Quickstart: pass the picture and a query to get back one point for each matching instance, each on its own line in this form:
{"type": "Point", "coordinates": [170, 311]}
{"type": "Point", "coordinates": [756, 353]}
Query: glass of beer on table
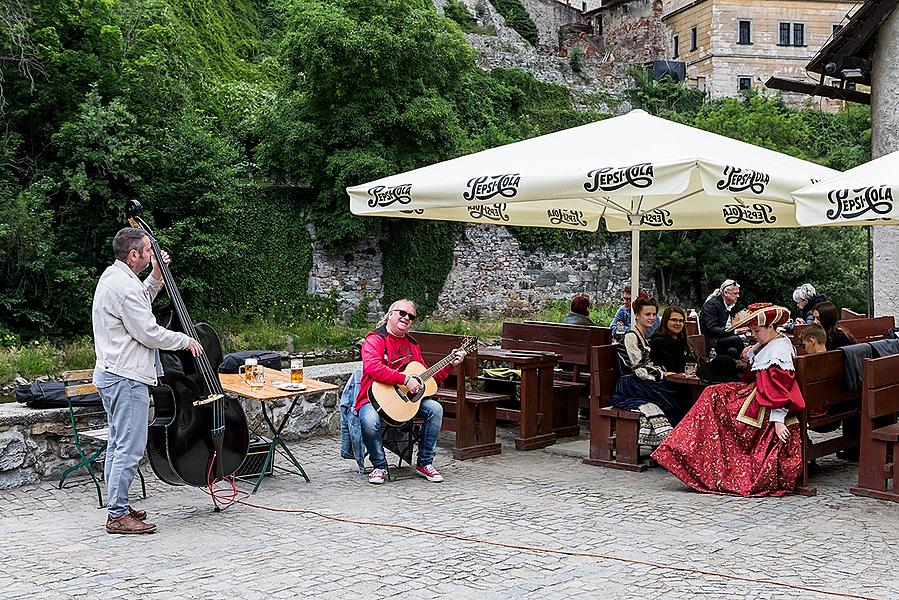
{"type": "Point", "coordinates": [296, 370]}
{"type": "Point", "coordinates": [253, 374]}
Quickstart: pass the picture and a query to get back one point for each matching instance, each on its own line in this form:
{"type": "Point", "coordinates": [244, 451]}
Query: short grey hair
{"type": "Point", "coordinates": [806, 291]}
{"type": "Point", "coordinates": [126, 240]}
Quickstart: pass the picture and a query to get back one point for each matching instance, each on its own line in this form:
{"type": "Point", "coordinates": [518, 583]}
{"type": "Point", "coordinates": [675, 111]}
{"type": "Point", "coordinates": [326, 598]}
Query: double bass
{"type": "Point", "coordinates": [198, 435]}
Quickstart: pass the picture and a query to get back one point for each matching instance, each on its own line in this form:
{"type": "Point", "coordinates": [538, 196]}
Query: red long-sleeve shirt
{"type": "Point", "coordinates": [384, 357]}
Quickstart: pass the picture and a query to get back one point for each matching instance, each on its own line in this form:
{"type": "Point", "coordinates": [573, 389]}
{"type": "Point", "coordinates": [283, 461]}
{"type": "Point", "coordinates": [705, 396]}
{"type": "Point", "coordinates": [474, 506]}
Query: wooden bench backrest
{"type": "Point", "coordinates": [434, 346]}
{"type": "Point", "coordinates": [846, 315]}
{"type": "Point", "coordinates": [821, 380]}
{"type": "Point", "coordinates": [881, 391]}
{"type": "Point", "coordinates": [698, 343]}
{"type": "Point", "coordinates": [868, 329]}
{"type": "Point", "coordinates": [78, 383]}
{"type": "Point", "coordinates": [863, 329]}
{"type": "Point", "coordinates": [572, 342]}
{"type": "Point", "coordinates": [604, 372]}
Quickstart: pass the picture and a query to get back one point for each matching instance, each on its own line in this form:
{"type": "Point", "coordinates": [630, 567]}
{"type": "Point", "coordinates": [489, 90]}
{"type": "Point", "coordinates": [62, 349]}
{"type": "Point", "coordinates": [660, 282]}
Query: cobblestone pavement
{"type": "Point", "coordinates": [54, 546]}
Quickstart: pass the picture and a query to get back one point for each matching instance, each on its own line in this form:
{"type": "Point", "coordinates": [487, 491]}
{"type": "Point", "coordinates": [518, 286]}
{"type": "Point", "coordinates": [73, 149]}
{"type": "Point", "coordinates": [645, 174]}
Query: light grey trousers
{"type": "Point", "coordinates": [127, 404]}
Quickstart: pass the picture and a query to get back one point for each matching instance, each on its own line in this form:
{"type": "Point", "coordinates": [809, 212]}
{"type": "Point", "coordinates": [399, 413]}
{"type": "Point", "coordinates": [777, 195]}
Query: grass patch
{"type": "Point", "coordinates": [46, 358]}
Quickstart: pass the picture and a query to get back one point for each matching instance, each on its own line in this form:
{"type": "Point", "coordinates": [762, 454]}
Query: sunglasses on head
{"type": "Point", "coordinates": [405, 314]}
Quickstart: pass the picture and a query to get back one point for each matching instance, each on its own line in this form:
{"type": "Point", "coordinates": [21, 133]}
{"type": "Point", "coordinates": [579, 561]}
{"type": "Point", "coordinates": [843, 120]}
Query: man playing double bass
{"type": "Point", "coordinates": [126, 338]}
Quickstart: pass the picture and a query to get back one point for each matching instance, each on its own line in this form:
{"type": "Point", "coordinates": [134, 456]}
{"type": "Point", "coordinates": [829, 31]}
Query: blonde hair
{"type": "Point", "coordinates": [392, 308]}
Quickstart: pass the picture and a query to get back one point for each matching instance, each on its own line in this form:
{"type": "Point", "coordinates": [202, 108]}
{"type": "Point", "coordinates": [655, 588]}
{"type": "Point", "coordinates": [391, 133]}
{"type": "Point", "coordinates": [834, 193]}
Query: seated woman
{"type": "Point", "coordinates": [669, 348]}
{"type": "Point", "coordinates": [580, 311]}
{"type": "Point", "coordinates": [825, 315]}
{"type": "Point", "coordinates": [642, 386]}
{"type": "Point", "coordinates": [739, 438]}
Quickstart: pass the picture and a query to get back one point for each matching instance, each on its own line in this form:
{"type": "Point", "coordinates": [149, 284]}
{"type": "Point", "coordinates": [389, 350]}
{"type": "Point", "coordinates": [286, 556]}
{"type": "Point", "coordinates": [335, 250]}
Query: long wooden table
{"type": "Point", "coordinates": [234, 383]}
{"type": "Point", "coordinates": [536, 395]}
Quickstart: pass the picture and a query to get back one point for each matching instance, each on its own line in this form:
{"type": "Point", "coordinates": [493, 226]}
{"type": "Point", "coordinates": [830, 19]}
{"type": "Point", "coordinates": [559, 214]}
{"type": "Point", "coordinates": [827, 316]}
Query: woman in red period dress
{"type": "Point", "coordinates": [743, 438]}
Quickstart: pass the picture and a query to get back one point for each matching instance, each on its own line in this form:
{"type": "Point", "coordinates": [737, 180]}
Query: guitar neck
{"type": "Point", "coordinates": [436, 367]}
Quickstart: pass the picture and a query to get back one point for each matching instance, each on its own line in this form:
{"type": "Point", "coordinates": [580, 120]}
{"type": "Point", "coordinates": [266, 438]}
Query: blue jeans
{"type": "Point", "coordinates": [430, 410]}
{"type": "Point", "coordinates": [127, 405]}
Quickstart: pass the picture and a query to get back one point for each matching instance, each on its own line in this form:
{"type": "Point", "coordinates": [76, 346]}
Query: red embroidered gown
{"type": "Point", "coordinates": [727, 443]}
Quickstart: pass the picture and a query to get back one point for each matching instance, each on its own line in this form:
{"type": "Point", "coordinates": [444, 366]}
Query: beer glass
{"type": "Point", "coordinates": [690, 369]}
{"type": "Point", "coordinates": [253, 374]}
{"type": "Point", "coordinates": [296, 370]}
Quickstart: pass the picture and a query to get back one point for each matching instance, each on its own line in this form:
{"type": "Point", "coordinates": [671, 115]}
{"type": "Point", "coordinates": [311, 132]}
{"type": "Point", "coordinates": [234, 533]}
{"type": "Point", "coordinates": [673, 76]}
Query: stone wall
{"type": "Point", "coordinates": [632, 32]}
{"type": "Point", "coordinates": [492, 275]}
{"type": "Point", "coordinates": [549, 15]}
{"type": "Point", "coordinates": [37, 444]}
{"type": "Point", "coordinates": [355, 276]}
{"type": "Point", "coordinates": [884, 139]}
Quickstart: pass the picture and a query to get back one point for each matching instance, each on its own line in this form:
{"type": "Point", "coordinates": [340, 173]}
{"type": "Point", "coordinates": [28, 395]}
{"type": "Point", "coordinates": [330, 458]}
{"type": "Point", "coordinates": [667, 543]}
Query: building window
{"type": "Point", "coordinates": [798, 34]}
{"type": "Point", "coordinates": [745, 32]}
{"type": "Point", "coordinates": [745, 83]}
{"type": "Point", "coordinates": [784, 38]}
{"type": "Point", "coordinates": [676, 46]}
{"type": "Point", "coordinates": [693, 40]}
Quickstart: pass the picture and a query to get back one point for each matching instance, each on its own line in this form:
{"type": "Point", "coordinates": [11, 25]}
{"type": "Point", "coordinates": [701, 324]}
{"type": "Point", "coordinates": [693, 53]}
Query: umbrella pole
{"type": "Point", "coordinates": [635, 270]}
{"type": "Point", "coordinates": [869, 265]}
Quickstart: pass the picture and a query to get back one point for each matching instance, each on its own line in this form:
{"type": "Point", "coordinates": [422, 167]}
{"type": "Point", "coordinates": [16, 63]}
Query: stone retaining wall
{"type": "Point", "coordinates": [36, 444]}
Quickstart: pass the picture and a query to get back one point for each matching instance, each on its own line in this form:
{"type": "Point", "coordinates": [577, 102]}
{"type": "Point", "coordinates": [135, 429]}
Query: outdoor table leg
{"type": "Point", "coordinates": [276, 441]}
{"type": "Point", "coordinates": [536, 428]}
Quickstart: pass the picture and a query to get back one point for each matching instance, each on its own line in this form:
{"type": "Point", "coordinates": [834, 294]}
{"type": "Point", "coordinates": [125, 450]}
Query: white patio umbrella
{"type": "Point", "coordinates": [860, 196]}
{"type": "Point", "coordinates": [637, 171]}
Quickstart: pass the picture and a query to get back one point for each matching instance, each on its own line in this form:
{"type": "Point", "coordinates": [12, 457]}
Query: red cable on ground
{"type": "Point", "coordinates": [541, 549]}
{"type": "Point", "coordinates": [220, 498]}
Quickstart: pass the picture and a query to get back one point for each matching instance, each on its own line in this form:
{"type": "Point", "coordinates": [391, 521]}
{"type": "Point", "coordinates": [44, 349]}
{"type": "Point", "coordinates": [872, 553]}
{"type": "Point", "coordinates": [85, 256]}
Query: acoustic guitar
{"type": "Point", "coordinates": [394, 403]}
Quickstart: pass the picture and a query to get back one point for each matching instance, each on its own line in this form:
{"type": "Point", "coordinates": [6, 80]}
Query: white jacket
{"type": "Point", "coordinates": [126, 334]}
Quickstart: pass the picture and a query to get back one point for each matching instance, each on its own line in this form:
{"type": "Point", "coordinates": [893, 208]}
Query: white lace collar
{"type": "Point", "coordinates": [778, 351]}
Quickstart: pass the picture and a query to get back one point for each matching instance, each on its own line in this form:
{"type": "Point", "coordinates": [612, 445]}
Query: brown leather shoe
{"type": "Point", "coordinates": [128, 525]}
{"type": "Point", "coordinates": [140, 515]}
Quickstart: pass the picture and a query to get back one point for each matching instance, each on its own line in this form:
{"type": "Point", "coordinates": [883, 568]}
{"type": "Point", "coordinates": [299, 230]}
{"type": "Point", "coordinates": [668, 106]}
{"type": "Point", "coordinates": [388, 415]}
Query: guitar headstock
{"type": "Point", "coordinates": [470, 343]}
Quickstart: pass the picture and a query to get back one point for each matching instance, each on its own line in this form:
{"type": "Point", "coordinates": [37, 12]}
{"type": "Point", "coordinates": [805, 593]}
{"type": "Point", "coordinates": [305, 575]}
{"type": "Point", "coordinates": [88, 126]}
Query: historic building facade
{"type": "Point", "coordinates": [730, 46]}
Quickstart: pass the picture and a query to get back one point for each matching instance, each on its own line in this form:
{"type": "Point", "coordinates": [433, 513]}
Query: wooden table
{"type": "Point", "coordinates": [536, 394]}
{"type": "Point", "coordinates": [696, 384]}
{"type": "Point", "coordinates": [233, 383]}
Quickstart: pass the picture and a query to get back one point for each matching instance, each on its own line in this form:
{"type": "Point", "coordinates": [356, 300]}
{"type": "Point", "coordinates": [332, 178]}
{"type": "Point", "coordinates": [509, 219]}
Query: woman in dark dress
{"type": "Point", "coordinates": [669, 347]}
{"type": "Point", "coordinates": [826, 316]}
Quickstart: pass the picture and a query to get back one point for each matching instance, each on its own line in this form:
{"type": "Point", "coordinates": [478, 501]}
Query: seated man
{"type": "Point", "coordinates": [385, 353]}
{"type": "Point", "coordinates": [813, 339]}
{"type": "Point", "coordinates": [716, 316]}
{"type": "Point", "coordinates": [621, 322]}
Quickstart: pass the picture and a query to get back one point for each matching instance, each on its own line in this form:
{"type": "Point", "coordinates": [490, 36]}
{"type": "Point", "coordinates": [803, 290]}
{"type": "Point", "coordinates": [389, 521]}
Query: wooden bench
{"type": "Point", "coordinates": [613, 431]}
{"type": "Point", "coordinates": [863, 329]}
{"type": "Point", "coordinates": [79, 384]}
{"type": "Point", "coordinates": [471, 414]}
{"type": "Point", "coordinates": [879, 443]}
{"type": "Point", "coordinates": [573, 343]}
{"type": "Point", "coordinates": [828, 401]}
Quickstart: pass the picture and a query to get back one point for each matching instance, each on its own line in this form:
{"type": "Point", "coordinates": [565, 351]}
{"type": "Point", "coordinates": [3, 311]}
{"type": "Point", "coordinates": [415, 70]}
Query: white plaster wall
{"type": "Point", "coordinates": [885, 139]}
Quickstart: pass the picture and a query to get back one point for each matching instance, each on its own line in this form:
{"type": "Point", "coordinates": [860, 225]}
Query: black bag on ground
{"type": "Point", "coordinates": [266, 358]}
{"type": "Point", "coordinates": [52, 394]}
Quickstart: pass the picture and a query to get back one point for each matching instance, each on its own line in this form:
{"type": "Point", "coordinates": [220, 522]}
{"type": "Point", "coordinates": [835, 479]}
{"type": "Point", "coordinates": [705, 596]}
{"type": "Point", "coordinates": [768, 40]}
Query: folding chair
{"type": "Point", "coordinates": [78, 388]}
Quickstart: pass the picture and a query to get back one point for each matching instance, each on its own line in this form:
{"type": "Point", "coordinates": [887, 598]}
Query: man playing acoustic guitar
{"type": "Point", "coordinates": [385, 353]}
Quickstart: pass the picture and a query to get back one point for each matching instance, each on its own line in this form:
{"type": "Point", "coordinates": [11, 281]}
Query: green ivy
{"type": "Point", "coordinates": [417, 257]}
{"type": "Point", "coordinates": [518, 19]}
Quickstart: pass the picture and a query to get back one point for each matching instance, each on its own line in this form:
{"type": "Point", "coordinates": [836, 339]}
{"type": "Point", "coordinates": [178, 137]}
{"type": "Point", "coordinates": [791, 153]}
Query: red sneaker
{"type": "Point", "coordinates": [429, 473]}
